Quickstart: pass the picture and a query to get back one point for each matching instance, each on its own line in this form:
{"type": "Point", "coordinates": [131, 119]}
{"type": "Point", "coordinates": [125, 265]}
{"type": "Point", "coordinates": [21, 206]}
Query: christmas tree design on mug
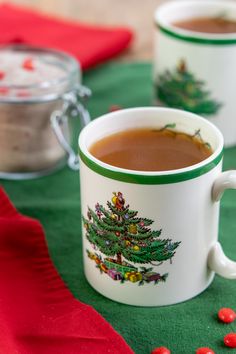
{"type": "Point", "coordinates": [118, 233]}
{"type": "Point", "coordinates": [181, 89]}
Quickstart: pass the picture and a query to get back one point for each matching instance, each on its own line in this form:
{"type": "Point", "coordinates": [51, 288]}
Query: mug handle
{"type": "Point", "coordinates": [72, 106]}
{"type": "Point", "coordinates": [217, 260]}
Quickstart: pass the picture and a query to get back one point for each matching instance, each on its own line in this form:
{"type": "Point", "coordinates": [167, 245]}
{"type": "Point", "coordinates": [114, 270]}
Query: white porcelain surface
{"type": "Point", "coordinates": [215, 64]}
{"type": "Point", "coordinates": [184, 210]}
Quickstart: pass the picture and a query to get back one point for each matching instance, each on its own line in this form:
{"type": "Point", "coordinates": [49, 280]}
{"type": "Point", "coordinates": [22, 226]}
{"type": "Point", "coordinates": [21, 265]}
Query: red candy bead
{"type": "Point", "coordinates": [2, 75]}
{"type": "Point", "coordinates": [23, 94]}
{"type": "Point", "coordinates": [226, 315]}
{"type": "Point", "coordinates": [28, 64]}
{"type": "Point", "coordinates": [230, 340]}
{"type": "Point", "coordinates": [204, 350]}
{"type": "Point", "coordinates": [161, 350]}
{"type": "Point", "coordinates": [114, 107]}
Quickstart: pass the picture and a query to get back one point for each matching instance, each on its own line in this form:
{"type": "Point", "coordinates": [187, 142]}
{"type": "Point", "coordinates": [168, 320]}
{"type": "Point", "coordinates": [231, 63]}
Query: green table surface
{"type": "Point", "coordinates": [55, 201]}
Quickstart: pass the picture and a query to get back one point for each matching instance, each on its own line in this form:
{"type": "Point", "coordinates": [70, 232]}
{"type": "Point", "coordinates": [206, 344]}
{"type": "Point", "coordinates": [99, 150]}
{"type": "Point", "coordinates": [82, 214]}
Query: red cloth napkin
{"type": "Point", "coordinates": [38, 314]}
{"type": "Point", "coordinates": [89, 44]}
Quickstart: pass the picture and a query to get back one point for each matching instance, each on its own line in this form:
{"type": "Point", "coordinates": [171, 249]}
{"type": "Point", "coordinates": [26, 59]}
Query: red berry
{"type": "Point", "coordinates": [230, 340]}
{"type": "Point", "coordinates": [114, 107]}
{"type": "Point", "coordinates": [28, 64]}
{"type": "Point", "coordinates": [2, 75]}
{"type": "Point", "coordinates": [226, 315]}
{"type": "Point", "coordinates": [204, 350]}
{"type": "Point", "coordinates": [161, 350]}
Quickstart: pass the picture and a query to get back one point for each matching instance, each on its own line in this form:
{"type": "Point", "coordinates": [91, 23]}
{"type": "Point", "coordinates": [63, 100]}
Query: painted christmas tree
{"type": "Point", "coordinates": [180, 89]}
{"type": "Point", "coordinates": [120, 234]}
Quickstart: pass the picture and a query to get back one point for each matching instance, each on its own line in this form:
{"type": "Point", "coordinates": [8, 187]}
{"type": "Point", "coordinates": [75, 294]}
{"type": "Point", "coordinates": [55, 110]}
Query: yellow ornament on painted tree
{"type": "Point", "coordinates": [132, 228]}
{"type": "Point", "coordinates": [136, 248]}
{"type": "Point", "coordinates": [114, 198]}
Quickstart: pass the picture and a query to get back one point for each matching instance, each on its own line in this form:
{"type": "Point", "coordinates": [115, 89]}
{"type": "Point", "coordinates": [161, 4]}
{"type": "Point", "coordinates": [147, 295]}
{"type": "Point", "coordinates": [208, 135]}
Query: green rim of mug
{"type": "Point", "coordinates": [150, 179]}
{"type": "Point", "coordinates": [193, 39]}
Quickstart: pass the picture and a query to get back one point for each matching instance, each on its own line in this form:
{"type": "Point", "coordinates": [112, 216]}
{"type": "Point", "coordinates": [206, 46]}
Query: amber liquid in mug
{"type": "Point", "coordinates": [150, 150]}
{"type": "Point", "coordinates": [208, 25]}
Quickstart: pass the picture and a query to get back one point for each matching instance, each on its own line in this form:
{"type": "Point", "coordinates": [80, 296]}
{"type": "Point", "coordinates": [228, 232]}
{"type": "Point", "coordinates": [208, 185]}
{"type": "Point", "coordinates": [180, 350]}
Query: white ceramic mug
{"type": "Point", "coordinates": [150, 238]}
{"type": "Point", "coordinates": [196, 71]}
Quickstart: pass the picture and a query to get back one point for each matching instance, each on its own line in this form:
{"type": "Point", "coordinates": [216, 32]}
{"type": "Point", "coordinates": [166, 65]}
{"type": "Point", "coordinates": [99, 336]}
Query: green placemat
{"type": "Point", "coordinates": [55, 201]}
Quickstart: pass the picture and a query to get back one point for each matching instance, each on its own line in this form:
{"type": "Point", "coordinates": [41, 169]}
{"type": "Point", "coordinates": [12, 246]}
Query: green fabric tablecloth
{"type": "Point", "coordinates": [55, 201]}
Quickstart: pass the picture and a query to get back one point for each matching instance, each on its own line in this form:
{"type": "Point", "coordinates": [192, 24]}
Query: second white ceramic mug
{"type": "Point", "coordinates": [196, 71]}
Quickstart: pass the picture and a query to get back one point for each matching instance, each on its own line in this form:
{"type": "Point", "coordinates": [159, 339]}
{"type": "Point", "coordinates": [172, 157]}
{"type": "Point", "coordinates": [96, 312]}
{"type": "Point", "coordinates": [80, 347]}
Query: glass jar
{"type": "Point", "coordinates": [38, 87]}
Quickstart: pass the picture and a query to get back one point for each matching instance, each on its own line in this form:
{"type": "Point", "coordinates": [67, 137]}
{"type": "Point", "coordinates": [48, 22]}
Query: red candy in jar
{"type": "Point", "coordinates": [2, 75]}
{"type": "Point", "coordinates": [161, 350]}
{"type": "Point", "coordinates": [226, 315]}
{"type": "Point", "coordinates": [4, 90]}
{"type": "Point", "coordinates": [28, 64]}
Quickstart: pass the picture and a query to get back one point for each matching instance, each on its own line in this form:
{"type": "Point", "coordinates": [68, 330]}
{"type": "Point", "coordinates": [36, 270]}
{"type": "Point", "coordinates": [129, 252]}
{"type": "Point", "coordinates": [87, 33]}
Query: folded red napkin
{"type": "Point", "coordinates": [38, 314]}
{"type": "Point", "coordinates": [89, 44]}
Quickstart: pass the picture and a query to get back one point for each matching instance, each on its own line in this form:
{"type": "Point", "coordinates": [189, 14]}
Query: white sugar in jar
{"type": "Point", "coordinates": [36, 83]}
